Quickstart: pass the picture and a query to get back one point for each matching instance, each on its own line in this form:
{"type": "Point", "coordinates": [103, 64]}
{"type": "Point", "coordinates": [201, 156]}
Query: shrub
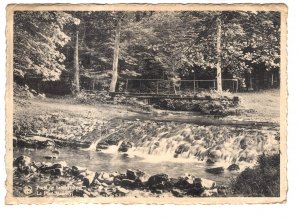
{"type": "Point", "coordinates": [216, 107]}
{"type": "Point", "coordinates": [262, 180]}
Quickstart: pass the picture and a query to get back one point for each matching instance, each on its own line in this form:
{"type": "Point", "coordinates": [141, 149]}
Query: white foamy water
{"type": "Point", "coordinates": [174, 149]}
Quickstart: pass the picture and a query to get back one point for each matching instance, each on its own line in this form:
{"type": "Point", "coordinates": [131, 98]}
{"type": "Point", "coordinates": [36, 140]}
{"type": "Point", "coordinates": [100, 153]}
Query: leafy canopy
{"type": "Point", "coordinates": [38, 38]}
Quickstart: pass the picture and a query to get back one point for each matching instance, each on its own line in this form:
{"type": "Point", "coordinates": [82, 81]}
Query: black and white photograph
{"type": "Point", "coordinates": [136, 103]}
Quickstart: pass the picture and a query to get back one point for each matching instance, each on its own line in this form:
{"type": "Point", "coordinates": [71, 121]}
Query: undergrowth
{"type": "Point", "coordinates": [261, 181]}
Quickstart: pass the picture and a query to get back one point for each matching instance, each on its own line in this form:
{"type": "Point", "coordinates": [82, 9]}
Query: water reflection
{"type": "Point", "coordinates": [110, 162]}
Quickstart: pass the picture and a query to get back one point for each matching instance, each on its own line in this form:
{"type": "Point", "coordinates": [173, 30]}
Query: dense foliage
{"type": "Point", "coordinates": [150, 45]}
{"type": "Point", "coordinates": [263, 180]}
{"type": "Point", "coordinates": [38, 38]}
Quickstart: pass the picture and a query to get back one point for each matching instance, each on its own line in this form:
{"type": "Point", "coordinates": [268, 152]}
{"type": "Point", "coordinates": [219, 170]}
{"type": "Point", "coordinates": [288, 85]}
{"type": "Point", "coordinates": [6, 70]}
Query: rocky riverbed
{"type": "Point", "coordinates": [57, 179]}
{"type": "Point", "coordinates": [103, 140]}
{"type": "Point", "coordinates": [215, 152]}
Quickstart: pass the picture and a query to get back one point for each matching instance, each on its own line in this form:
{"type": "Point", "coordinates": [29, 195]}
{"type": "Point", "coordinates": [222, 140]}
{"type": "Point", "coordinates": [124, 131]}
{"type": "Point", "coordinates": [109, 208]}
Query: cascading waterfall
{"type": "Point", "coordinates": [93, 146]}
{"type": "Point", "coordinates": [186, 142]}
{"type": "Point", "coordinates": [200, 143]}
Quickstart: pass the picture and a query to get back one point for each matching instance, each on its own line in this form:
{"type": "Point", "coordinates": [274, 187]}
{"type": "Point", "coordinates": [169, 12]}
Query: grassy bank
{"type": "Point", "coordinates": [261, 106]}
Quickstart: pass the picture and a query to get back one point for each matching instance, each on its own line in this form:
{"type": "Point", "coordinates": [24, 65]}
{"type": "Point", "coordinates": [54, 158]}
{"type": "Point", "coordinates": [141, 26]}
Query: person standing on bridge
{"type": "Point", "coordinates": [176, 82]}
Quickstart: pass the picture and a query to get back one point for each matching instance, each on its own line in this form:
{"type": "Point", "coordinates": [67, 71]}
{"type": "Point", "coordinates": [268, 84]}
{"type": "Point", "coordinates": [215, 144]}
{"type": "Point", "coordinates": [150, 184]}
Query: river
{"type": "Point", "coordinates": [109, 162]}
{"type": "Point", "coordinates": [167, 147]}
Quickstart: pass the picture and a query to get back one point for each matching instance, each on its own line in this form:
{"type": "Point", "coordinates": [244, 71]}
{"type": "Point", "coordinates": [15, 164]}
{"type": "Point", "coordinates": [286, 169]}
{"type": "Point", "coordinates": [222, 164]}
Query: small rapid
{"type": "Point", "coordinates": [157, 142]}
{"type": "Point", "coordinates": [168, 147]}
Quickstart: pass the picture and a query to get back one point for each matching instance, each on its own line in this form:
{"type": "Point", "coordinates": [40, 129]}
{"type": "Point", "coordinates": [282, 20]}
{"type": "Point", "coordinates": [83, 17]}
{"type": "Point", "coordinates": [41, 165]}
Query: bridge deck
{"type": "Point", "coordinates": [166, 96]}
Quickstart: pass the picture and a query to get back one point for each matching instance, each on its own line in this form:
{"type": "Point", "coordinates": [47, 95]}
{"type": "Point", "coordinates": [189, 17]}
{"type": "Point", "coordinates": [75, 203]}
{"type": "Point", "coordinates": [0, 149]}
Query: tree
{"type": "Point", "coordinates": [155, 44]}
{"type": "Point", "coordinates": [219, 39]}
{"type": "Point", "coordinates": [162, 40]}
{"type": "Point", "coordinates": [264, 47]}
{"type": "Point", "coordinates": [116, 57]}
{"type": "Point", "coordinates": [38, 38]}
{"type": "Point", "coordinates": [101, 43]}
{"type": "Point", "coordinates": [234, 41]}
{"type": "Point", "coordinates": [126, 22]}
{"type": "Point", "coordinates": [219, 70]}
{"type": "Point", "coordinates": [76, 82]}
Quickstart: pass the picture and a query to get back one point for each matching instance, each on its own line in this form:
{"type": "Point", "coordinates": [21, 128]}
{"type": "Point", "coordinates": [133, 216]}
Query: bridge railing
{"type": "Point", "coordinates": [159, 86]}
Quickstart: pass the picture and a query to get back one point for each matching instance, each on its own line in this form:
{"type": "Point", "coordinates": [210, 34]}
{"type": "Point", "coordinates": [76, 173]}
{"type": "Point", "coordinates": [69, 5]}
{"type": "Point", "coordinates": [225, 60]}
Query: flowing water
{"type": "Point", "coordinates": [111, 162]}
{"type": "Point", "coordinates": [174, 149]}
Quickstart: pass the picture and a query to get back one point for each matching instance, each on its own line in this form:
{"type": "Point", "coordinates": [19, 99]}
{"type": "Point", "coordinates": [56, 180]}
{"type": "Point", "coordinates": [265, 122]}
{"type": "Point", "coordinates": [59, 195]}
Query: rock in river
{"type": "Point", "coordinates": [177, 192]}
{"type": "Point", "coordinates": [89, 178]}
{"type": "Point", "coordinates": [105, 177]}
{"type": "Point", "coordinates": [157, 181]}
{"type": "Point", "coordinates": [77, 170]}
{"type": "Point", "coordinates": [137, 175]}
{"type": "Point", "coordinates": [143, 177]}
{"type": "Point", "coordinates": [208, 184]}
{"type": "Point", "coordinates": [22, 162]}
{"type": "Point", "coordinates": [36, 142]}
{"type": "Point", "coordinates": [131, 174]}
{"type": "Point", "coordinates": [185, 182]}
{"type": "Point", "coordinates": [210, 193]}
{"type": "Point", "coordinates": [210, 161]}
{"type": "Point", "coordinates": [56, 172]}
{"type": "Point", "coordinates": [123, 146]}
{"type": "Point", "coordinates": [55, 169]}
{"type": "Point", "coordinates": [121, 191]}
{"type": "Point", "coordinates": [233, 167]}
{"type": "Point", "coordinates": [215, 170]}
{"type": "Point", "coordinates": [128, 183]}
{"type": "Point", "coordinates": [50, 157]}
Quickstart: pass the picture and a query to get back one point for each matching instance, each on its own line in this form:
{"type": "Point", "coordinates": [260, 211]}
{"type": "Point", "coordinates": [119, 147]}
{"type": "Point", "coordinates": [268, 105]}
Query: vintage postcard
{"type": "Point", "coordinates": [146, 104]}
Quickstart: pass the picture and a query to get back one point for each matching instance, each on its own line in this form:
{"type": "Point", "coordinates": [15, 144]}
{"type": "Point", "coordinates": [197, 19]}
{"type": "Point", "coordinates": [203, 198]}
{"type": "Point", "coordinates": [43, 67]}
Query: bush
{"type": "Point", "coordinates": [262, 180]}
{"type": "Point", "coordinates": [207, 107]}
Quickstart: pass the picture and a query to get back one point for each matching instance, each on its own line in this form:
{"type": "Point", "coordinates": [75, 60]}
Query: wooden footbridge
{"type": "Point", "coordinates": [160, 89]}
{"type": "Point", "coordinates": [159, 86]}
{"type": "Point", "coordinates": [150, 96]}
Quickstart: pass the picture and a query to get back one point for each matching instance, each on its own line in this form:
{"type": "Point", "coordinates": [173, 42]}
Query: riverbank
{"type": "Point", "coordinates": [159, 138]}
{"type": "Point", "coordinates": [38, 179]}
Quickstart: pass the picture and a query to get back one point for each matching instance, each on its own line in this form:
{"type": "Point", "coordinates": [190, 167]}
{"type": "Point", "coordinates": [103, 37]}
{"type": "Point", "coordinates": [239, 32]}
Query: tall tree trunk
{"type": "Point", "coordinates": [272, 79]}
{"type": "Point", "coordinates": [116, 58]}
{"type": "Point", "coordinates": [76, 85]}
{"type": "Point", "coordinates": [219, 69]}
{"type": "Point", "coordinates": [250, 85]}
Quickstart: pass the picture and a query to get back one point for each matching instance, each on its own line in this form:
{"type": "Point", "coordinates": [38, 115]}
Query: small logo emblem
{"type": "Point", "coordinates": [27, 190]}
